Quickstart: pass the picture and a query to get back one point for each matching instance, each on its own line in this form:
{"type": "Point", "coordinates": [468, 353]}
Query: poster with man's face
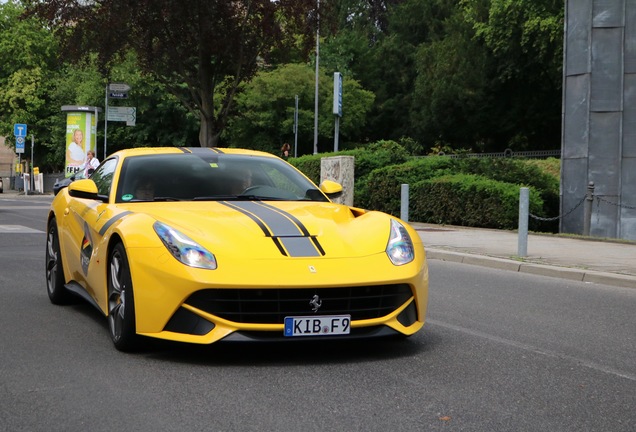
{"type": "Point", "coordinates": [80, 137]}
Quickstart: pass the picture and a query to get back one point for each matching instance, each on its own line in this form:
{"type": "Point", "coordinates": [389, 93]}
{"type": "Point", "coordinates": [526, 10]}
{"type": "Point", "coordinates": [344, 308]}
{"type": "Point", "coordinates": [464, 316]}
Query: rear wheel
{"type": "Point", "coordinates": [54, 270]}
{"type": "Point", "coordinates": [121, 305]}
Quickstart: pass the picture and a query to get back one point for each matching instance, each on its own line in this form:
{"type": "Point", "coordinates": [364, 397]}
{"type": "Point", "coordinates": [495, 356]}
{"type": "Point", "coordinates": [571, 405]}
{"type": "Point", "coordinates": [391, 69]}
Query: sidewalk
{"type": "Point", "coordinates": [581, 259]}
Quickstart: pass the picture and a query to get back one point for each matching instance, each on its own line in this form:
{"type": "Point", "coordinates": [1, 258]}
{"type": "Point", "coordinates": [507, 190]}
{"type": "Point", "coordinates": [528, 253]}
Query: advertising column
{"type": "Point", "coordinates": [81, 136]}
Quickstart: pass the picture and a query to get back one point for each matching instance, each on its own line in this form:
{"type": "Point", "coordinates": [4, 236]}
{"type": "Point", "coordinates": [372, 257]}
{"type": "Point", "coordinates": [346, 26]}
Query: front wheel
{"type": "Point", "coordinates": [54, 270]}
{"type": "Point", "coordinates": [121, 304]}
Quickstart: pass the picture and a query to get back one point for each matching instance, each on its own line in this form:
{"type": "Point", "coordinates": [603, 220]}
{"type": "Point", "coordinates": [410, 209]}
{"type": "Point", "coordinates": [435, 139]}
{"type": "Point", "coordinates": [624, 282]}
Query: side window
{"type": "Point", "coordinates": [103, 176]}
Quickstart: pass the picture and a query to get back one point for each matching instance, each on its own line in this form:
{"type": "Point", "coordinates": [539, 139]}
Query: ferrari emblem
{"type": "Point", "coordinates": [312, 269]}
{"type": "Point", "coordinates": [315, 303]}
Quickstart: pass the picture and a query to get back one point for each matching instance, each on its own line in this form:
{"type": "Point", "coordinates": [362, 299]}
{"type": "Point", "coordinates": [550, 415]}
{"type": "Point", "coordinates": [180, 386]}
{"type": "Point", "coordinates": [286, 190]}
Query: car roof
{"type": "Point", "coordinates": [138, 151]}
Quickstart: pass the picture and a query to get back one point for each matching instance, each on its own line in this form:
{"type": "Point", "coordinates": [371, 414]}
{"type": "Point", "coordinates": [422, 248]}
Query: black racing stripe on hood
{"type": "Point", "coordinates": [279, 246]}
{"type": "Point", "coordinates": [258, 222]}
{"type": "Point", "coordinates": [294, 219]}
{"type": "Point", "coordinates": [299, 246]}
{"type": "Point", "coordinates": [318, 246]}
{"type": "Point", "coordinates": [289, 234]}
{"type": "Point", "coordinates": [111, 221]}
{"type": "Point", "coordinates": [278, 222]}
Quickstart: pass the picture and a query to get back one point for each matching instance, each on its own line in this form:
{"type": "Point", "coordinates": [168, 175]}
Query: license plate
{"type": "Point", "coordinates": [326, 325]}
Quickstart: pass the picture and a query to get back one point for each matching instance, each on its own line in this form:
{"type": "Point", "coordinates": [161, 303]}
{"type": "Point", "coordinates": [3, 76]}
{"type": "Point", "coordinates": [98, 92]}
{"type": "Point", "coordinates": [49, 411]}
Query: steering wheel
{"type": "Point", "coordinates": [250, 189]}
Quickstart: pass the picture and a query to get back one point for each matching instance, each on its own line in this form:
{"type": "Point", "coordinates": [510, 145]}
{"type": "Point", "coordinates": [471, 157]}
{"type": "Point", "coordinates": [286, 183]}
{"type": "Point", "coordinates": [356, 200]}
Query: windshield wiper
{"type": "Point", "coordinates": [215, 198]}
{"type": "Point", "coordinates": [165, 198]}
{"type": "Point", "coordinates": [237, 198]}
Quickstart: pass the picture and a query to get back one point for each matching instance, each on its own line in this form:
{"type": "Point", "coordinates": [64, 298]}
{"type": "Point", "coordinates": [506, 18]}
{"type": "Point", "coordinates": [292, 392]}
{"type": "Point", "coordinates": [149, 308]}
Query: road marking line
{"type": "Point", "coordinates": [18, 229]}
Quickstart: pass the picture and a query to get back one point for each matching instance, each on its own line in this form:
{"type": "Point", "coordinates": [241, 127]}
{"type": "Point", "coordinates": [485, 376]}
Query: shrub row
{"type": "Point", "coordinates": [477, 192]}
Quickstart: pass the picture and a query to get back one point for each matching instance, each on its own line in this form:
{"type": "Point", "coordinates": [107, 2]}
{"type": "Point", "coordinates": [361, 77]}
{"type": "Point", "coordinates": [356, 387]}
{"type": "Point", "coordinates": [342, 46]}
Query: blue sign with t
{"type": "Point", "coordinates": [19, 130]}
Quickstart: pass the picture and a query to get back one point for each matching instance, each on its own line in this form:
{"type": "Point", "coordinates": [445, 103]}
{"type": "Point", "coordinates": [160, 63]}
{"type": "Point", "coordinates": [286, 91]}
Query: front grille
{"type": "Point", "coordinates": [271, 306]}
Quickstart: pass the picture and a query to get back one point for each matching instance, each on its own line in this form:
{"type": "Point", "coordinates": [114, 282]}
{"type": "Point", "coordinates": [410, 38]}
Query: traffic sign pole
{"type": "Point", "coordinates": [106, 123]}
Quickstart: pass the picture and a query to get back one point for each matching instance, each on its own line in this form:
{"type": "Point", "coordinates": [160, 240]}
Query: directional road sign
{"type": "Point", "coordinates": [118, 95]}
{"type": "Point", "coordinates": [20, 130]}
{"type": "Point", "coordinates": [127, 114]}
{"type": "Point", "coordinates": [118, 87]}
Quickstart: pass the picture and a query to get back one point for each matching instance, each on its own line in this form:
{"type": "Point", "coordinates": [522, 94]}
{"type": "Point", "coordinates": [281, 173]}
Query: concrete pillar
{"type": "Point", "coordinates": [341, 170]}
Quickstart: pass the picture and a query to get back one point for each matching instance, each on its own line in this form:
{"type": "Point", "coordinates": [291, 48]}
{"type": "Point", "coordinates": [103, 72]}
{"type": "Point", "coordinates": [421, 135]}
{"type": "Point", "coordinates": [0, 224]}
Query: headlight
{"type": "Point", "coordinates": [184, 248]}
{"type": "Point", "coordinates": [400, 248]}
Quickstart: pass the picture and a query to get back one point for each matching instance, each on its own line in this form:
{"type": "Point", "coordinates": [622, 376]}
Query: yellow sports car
{"type": "Point", "coordinates": [207, 244]}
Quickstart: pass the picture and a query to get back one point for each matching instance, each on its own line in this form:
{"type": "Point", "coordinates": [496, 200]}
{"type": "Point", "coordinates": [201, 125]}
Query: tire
{"type": "Point", "coordinates": [54, 269]}
{"type": "Point", "coordinates": [121, 303]}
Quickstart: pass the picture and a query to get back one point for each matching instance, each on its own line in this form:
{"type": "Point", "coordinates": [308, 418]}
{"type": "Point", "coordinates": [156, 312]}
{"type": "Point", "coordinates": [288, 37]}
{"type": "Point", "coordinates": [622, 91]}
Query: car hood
{"type": "Point", "coordinates": [264, 230]}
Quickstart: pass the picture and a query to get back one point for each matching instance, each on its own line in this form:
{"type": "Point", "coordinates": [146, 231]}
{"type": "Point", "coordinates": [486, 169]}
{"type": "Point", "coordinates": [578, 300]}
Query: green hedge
{"type": "Point", "coordinates": [469, 200]}
{"type": "Point", "coordinates": [376, 155]}
{"type": "Point", "coordinates": [480, 192]}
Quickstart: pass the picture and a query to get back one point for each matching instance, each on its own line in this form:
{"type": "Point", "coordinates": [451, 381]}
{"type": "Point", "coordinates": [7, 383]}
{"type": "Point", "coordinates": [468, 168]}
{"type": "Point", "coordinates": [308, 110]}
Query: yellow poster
{"type": "Point", "coordinates": [80, 137]}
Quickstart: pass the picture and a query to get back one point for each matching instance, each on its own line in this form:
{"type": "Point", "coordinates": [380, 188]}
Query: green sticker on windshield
{"type": "Point", "coordinates": [127, 197]}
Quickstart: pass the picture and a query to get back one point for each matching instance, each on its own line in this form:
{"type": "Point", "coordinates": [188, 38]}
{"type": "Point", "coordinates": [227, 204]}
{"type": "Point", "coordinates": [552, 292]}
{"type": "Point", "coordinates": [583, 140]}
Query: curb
{"type": "Point", "coordinates": [580, 275]}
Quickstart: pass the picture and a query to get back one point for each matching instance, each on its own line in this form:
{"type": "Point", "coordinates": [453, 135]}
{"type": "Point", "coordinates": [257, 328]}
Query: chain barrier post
{"type": "Point", "coordinates": [404, 202]}
{"type": "Point", "coordinates": [587, 218]}
{"type": "Point", "coordinates": [524, 211]}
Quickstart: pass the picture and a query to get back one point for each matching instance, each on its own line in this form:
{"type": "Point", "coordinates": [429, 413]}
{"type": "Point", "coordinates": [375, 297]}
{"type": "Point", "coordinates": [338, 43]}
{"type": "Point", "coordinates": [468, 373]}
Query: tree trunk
{"type": "Point", "coordinates": [208, 135]}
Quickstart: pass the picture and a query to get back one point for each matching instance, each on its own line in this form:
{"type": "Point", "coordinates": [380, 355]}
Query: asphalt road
{"type": "Point", "coordinates": [501, 351]}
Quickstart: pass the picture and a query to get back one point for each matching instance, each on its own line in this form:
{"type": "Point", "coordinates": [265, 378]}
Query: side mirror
{"type": "Point", "coordinates": [331, 188]}
{"type": "Point", "coordinates": [84, 188]}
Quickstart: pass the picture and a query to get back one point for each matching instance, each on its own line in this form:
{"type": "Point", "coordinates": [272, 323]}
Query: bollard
{"type": "Point", "coordinates": [587, 217]}
{"type": "Point", "coordinates": [524, 211]}
{"type": "Point", "coordinates": [404, 202]}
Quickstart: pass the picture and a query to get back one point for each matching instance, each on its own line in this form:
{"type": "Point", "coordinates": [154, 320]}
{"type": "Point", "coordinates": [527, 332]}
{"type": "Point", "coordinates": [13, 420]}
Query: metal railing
{"type": "Point", "coordinates": [588, 199]}
{"type": "Point", "coordinates": [535, 154]}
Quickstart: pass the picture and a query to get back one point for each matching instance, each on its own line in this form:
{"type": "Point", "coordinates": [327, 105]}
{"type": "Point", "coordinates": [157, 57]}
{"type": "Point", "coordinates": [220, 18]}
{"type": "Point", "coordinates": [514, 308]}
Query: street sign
{"type": "Point", "coordinates": [337, 94]}
{"type": "Point", "coordinates": [127, 114]}
{"type": "Point", "coordinates": [118, 87]}
{"type": "Point", "coordinates": [19, 130]}
{"type": "Point", "coordinates": [118, 95]}
{"type": "Point", "coordinates": [19, 144]}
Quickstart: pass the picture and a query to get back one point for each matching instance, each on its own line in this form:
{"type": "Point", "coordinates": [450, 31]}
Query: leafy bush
{"type": "Point", "coordinates": [478, 192]}
{"type": "Point", "coordinates": [469, 200]}
{"type": "Point", "coordinates": [309, 165]}
{"type": "Point", "coordinates": [376, 155]}
{"type": "Point", "coordinates": [381, 190]}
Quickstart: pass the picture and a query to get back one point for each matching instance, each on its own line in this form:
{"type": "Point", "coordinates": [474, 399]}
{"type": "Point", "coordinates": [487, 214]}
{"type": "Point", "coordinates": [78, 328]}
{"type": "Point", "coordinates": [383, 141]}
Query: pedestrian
{"type": "Point", "coordinates": [90, 164]}
{"type": "Point", "coordinates": [284, 151]}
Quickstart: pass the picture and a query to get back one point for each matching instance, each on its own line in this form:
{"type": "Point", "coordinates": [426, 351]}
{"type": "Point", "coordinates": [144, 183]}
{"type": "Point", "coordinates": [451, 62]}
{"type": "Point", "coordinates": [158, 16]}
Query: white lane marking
{"type": "Point", "coordinates": [18, 229]}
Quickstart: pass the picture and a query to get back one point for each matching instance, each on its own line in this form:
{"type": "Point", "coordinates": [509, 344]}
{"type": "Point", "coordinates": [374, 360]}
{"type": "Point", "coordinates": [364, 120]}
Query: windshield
{"type": "Point", "coordinates": [192, 177]}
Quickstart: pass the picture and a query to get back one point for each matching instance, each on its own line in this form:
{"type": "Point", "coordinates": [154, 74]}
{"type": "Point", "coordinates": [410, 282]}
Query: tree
{"type": "Point", "coordinates": [525, 49]}
{"type": "Point", "coordinates": [28, 54]}
{"type": "Point", "coordinates": [266, 110]}
{"type": "Point", "coordinates": [377, 42]}
{"type": "Point", "coordinates": [201, 51]}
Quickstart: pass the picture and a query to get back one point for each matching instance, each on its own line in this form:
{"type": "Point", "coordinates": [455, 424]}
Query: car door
{"type": "Point", "coordinates": [82, 220]}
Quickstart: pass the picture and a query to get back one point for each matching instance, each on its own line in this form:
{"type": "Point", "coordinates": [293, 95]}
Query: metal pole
{"type": "Point", "coordinates": [524, 206]}
{"type": "Point", "coordinates": [336, 134]}
{"type": "Point", "coordinates": [31, 179]}
{"type": "Point", "coordinates": [317, 69]}
{"type": "Point", "coordinates": [105, 120]}
{"type": "Point", "coordinates": [587, 217]}
{"type": "Point", "coordinates": [404, 202]}
{"type": "Point", "coordinates": [296, 128]}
